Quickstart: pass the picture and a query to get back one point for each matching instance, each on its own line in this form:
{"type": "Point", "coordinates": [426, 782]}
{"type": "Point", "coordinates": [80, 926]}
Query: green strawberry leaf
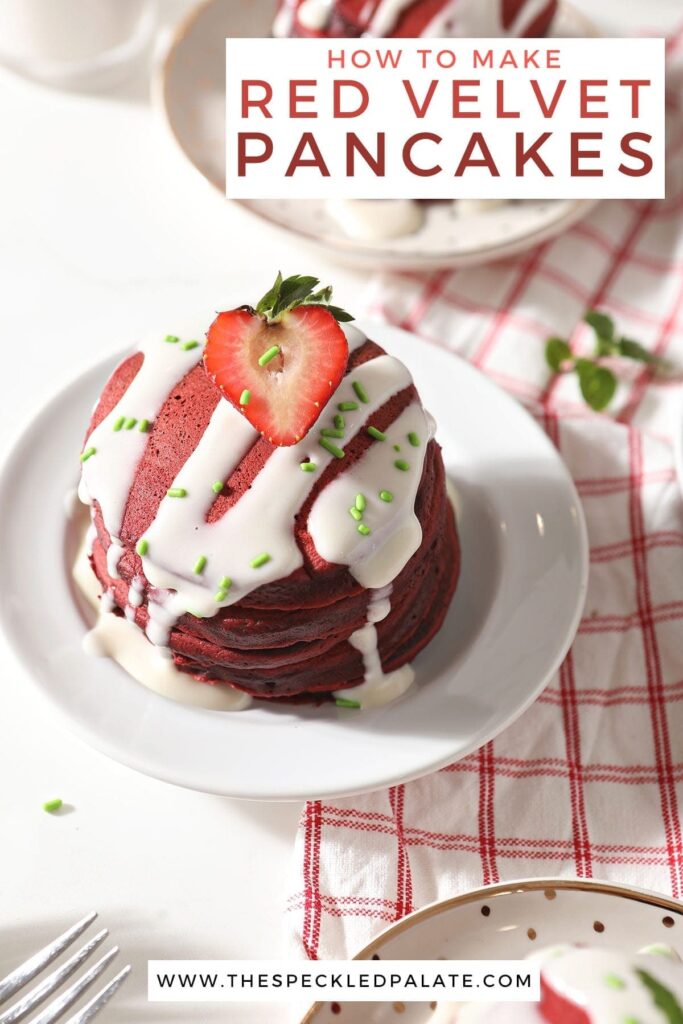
{"type": "Point", "coordinates": [271, 297]}
{"type": "Point", "coordinates": [597, 384]}
{"type": "Point", "coordinates": [298, 290]}
{"type": "Point", "coordinates": [557, 352]}
{"type": "Point", "coordinates": [340, 314]}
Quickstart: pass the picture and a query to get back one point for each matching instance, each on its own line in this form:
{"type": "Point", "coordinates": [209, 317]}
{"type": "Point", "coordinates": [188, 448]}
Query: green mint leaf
{"type": "Point", "coordinates": [597, 384]}
{"type": "Point", "coordinates": [602, 324]}
{"type": "Point", "coordinates": [271, 297]}
{"type": "Point", "coordinates": [634, 350]}
{"type": "Point", "coordinates": [605, 347]}
{"type": "Point", "coordinates": [557, 351]}
{"type": "Point", "coordinates": [664, 999]}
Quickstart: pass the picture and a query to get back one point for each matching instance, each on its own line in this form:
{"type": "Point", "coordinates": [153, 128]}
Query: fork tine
{"type": "Point", "coordinates": [92, 1008]}
{"type": "Point", "coordinates": [28, 970]}
{"type": "Point", "coordinates": [63, 1001]}
{"type": "Point", "coordinates": [52, 981]}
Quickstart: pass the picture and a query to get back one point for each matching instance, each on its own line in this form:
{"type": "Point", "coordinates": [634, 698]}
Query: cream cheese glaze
{"type": "Point", "coordinates": [261, 523]}
{"type": "Point", "coordinates": [119, 639]}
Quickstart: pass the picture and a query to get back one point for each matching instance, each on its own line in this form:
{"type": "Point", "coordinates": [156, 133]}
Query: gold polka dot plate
{"type": "Point", "coordinates": [510, 921]}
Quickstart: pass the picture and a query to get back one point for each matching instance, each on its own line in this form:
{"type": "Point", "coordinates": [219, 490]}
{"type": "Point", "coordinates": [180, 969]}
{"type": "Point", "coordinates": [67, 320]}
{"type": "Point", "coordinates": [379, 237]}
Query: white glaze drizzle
{"type": "Point", "coordinates": [315, 14]}
{"type": "Point", "coordinates": [377, 559]}
{"type": "Point", "coordinates": [124, 643]}
{"type": "Point", "coordinates": [378, 688]}
{"type": "Point", "coordinates": [114, 555]}
{"type": "Point", "coordinates": [284, 19]}
{"type": "Point", "coordinates": [262, 520]}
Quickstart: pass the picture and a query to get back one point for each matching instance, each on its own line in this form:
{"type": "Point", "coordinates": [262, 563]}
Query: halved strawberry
{"type": "Point", "coordinates": [280, 363]}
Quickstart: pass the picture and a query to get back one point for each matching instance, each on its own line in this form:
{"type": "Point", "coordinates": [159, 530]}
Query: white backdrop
{"type": "Point", "coordinates": [105, 231]}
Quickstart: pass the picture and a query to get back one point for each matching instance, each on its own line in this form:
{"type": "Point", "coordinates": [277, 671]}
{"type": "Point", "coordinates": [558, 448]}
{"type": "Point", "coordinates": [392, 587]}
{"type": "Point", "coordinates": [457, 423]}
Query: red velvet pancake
{"type": "Point", "coordinates": [289, 637]}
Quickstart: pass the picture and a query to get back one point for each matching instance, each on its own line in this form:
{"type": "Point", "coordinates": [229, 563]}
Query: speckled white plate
{"type": "Point", "coordinates": [514, 615]}
{"type": "Point", "coordinates": [189, 89]}
{"type": "Point", "coordinates": [508, 922]}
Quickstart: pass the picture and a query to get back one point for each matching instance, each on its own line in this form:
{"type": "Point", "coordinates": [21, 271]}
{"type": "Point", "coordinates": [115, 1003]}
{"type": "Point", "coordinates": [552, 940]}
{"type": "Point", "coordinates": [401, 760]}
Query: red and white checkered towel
{"type": "Point", "coordinates": [589, 781]}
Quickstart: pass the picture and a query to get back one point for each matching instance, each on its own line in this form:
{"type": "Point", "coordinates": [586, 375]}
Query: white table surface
{"type": "Point", "coordinates": [106, 231]}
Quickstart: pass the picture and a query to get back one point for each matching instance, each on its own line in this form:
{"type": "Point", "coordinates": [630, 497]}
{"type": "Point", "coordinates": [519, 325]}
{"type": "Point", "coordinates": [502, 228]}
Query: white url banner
{"type": "Point", "coordinates": [226, 981]}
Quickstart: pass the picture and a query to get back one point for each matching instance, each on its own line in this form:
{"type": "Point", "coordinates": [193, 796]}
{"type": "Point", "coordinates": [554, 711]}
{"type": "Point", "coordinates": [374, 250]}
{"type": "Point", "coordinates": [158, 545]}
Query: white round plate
{"type": "Point", "coordinates": [514, 615]}
{"type": "Point", "coordinates": [511, 921]}
{"type": "Point", "coordinates": [190, 91]}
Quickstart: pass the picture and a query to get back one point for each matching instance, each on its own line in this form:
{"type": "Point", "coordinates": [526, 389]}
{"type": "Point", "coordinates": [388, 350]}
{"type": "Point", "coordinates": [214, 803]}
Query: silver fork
{"type": "Point", "coordinates": [57, 1008]}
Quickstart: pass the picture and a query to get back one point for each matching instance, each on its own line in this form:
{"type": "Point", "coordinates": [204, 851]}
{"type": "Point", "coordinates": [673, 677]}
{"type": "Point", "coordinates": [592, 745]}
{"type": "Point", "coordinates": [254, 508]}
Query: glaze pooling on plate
{"type": "Point", "coordinates": [119, 639]}
{"type": "Point", "coordinates": [199, 566]}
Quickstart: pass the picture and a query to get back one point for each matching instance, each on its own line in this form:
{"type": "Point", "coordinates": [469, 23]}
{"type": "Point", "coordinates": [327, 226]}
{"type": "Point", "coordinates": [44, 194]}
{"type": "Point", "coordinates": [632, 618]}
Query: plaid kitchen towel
{"type": "Point", "coordinates": [589, 780]}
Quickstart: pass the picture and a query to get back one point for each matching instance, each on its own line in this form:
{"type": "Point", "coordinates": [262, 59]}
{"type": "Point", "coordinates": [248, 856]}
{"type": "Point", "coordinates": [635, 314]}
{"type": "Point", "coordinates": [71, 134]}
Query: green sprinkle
{"type": "Point", "coordinates": [402, 465]}
{"type": "Point", "coordinates": [52, 805]}
{"type": "Point", "coordinates": [269, 354]}
{"type": "Point", "coordinates": [220, 596]}
{"type": "Point", "coordinates": [172, 339]}
{"type": "Point", "coordinates": [260, 560]}
{"type": "Point", "coordinates": [614, 981]}
{"type": "Point", "coordinates": [189, 345]}
{"type": "Point", "coordinates": [386, 496]}
{"type": "Point", "coordinates": [360, 391]}
{"type": "Point", "coordinates": [414, 439]}
{"type": "Point", "coordinates": [119, 423]}
{"type": "Point", "coordinates": [217, 487]}
{"type": "Point", "coordinates": [199, 565]}
{"type": "Point", "coordinates": [88, 453]}
{"type": "Point", "coordinates": [360, 502]}
{"type": "Point", "coordinates": [177, 492]}
{"type": "Point", "coordinates": [339, 422]}
{"type": "Point", "coordinates": [341, 702]}
{"type": "Point", "coordinates": [331, 448]}
{"type": "Point", "coordinates": [356, 513]}
{"type": "Point", "coordinates": [245, 397]}
{"type": "Point", "coordinates": [631, 1020]}
{"type": "Point", "coordinates": [143, 547]}
{"type": "Point", "coordinates": [225, 583]}
{"type": "Point", "coordinates": [129, 424]}
{"type": "Point", "coordinates": [347, 406]}
{"type": "Point", "coordinates": [329, 432]}
{"type": "Point", "coordinates": [365, 530]}
{"type": "Point", "coordinates": [397, 447]}
{"type": "Point", "coordinates": [308, 467]}
{"type": "Point", "coordinates": [144, 426]}
{"type": "Point", "coordinates": [377, 434]}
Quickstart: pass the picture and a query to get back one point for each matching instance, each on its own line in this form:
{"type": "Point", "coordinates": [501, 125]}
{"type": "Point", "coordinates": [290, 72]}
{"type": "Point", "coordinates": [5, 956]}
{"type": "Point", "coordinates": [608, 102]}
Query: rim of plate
{"type": "Point", "coordinates": [150, 764]}
{"type": "Point", "coordinates": [343, 248]}
{"type": "Point", "coordinates": [519, 886]}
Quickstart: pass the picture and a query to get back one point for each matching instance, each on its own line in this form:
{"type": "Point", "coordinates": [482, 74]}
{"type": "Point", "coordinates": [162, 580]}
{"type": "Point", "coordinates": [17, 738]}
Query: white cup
{"type": "Point", "coordinates": [73, 42]}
